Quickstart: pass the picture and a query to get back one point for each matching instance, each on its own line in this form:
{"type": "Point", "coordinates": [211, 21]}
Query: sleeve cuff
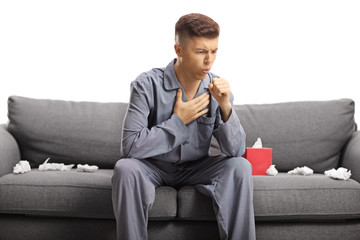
{"type": "Point", "coordinates": [231, 121]}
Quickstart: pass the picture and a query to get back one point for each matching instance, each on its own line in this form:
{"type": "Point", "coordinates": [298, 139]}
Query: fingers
{"type": "Point", "coordinates": [200, 98]}
{"type": "Point", "coordinates": [220, 82]}
{"type": "Point", "coordinates": [201, 102]}
{"type": "Point", "coordinates": [199, 105]}
{"type": "Point", "coordinates": [202, 108]}
{"type": "Point", "coordinates": [179, 95]}
{"type": "Point", "coordinates": [199, 114]}
{"type": "Point", "coordinates": [221, 90]}
{"type": "Point", "coordinates": [219, 86]}
{"type": "Point", "coordinates": [193, 109]}
{"type": "Point", "coordinates": [216, 91]}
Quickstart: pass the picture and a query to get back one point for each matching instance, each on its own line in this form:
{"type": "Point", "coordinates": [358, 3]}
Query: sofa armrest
{"type": "Point", "coordinates": [9, 151]}
{"type": "Point", "coordinates": [351, 156]}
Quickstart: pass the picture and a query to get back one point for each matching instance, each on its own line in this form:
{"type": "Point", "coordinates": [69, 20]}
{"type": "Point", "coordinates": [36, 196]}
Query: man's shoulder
{"type": "Point", "coordinates": [152, 76]}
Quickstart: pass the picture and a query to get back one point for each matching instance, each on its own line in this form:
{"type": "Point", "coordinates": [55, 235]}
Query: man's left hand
{"type": "Point", "coordinates": [221, 91]}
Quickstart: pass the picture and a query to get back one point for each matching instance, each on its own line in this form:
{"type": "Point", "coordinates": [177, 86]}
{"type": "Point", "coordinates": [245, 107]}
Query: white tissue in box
{"type": "Point", "coordinates": [258, 143]}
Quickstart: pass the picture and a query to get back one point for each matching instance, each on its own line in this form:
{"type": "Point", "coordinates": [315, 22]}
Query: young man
{"type": "Point", "coordinates": [173, 113]}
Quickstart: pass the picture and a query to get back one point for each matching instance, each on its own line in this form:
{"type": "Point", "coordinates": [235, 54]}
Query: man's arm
{"type": "Point", "coordinates": [230, 135]}
{"type": "Point", "coordinates": [220, 90]}
{"type": "Point", "coordinates": [228, 130]}
{"type": "Point", "coordinates": [141, 140]}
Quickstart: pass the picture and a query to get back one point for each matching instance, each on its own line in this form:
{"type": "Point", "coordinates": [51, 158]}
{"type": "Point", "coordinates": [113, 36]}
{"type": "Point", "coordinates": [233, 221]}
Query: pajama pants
{"type": "Point", "coordinates": [228, 181]}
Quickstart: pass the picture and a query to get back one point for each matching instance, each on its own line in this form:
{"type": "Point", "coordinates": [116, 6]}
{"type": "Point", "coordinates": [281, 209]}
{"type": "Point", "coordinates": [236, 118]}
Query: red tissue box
{"type": "Point", "coordinates": [260, 159]}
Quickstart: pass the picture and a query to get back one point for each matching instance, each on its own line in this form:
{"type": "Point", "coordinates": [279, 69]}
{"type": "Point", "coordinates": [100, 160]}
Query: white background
{"type": "Point", "coordinates": [269, 50]}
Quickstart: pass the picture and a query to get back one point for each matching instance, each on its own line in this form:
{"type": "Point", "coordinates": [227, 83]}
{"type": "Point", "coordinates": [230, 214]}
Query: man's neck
{"type": "Point", "coordinates": [190, 85]}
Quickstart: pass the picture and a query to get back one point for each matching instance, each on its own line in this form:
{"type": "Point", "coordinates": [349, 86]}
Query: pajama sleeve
{"type": "Point", "coordinates": [142, 141]}
{"type": "Point", "coordinates": [230, 134]}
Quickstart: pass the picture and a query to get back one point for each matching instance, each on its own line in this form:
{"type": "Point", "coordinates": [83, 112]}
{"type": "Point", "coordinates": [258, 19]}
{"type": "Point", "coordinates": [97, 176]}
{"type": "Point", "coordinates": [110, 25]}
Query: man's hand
{"type": "Point", "coordinates": [191, 110]}
{"type": "Point", "coordinates": [220, 90]}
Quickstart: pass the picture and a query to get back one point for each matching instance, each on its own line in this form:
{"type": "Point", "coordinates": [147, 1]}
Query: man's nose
{"type": "Point", "coordinates": [208, 58]}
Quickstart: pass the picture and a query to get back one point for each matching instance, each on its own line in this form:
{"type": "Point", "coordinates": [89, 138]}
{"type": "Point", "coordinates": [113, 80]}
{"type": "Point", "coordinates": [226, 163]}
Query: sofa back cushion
{"type": "Point", "coordinates": [301, 134]}
{"type": "Point", "coordinates": [66, 131]}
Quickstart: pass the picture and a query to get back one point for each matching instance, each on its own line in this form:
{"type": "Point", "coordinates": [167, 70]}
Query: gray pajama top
{"type": "Point", "coordinates": [152, 130]}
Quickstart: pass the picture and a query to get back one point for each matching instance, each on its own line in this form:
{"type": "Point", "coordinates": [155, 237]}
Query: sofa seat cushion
{"type": "Point", "coordinates": [305, 197]}
{"type": "Point", "coordinates": [71, 194]}
{"type": "Point", "coordinates": [285, 197]}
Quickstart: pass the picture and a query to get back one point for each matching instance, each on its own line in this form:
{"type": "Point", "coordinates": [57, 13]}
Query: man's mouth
{"type": "Point", "coordinates": [206, 70]}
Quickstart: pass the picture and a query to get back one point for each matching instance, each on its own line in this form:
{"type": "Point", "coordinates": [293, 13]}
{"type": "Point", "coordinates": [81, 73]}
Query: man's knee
{"type": "Point", "coordinates": [126, 168]}
{"type": "Point", "coordinates": [240, 167]}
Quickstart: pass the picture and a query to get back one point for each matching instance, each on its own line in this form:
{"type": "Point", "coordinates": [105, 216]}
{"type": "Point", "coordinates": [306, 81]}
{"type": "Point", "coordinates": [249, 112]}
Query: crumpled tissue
{"type": "Point", "coordinates": [55, 166]}
{"type": "Point", "coordinates": [87, 168]}
{"type": "Point", "coordinates": [341, 173]}
{"type": "Point", "coordinates": [258, 143]}
{"type": "Point", "coordinates": [272, 171]}
{"type": "Point", "coordinates": [22, 167]}
{"type": "Point", "coordinates": [301, 171]}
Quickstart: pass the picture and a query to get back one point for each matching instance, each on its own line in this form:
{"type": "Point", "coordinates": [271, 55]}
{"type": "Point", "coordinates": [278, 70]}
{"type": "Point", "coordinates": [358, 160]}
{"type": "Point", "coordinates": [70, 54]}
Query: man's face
{"type": "Point", "coordinates": [197, 55]}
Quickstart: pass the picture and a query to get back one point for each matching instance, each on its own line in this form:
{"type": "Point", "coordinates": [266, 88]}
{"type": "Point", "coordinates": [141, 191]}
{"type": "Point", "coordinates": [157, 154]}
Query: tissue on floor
{"type": "Point", "coordinates": [341, 173]}
{"type": "Point", "coordinates": [87, 168]}
{"type": "Point", "coordinates": [272, 171]}
{"type": "Point", "coordinates": [301, 171]}
{"type": "Point", "coordinates": [55, 166]}
{"type": "Point", "coordinates": [22, 167]}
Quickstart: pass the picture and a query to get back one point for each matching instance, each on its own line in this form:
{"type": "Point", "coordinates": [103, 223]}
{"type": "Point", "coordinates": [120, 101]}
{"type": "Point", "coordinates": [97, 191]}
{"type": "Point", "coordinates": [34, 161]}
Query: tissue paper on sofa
{"type": "Point", "coordinates": [341, 173]}
{"type": "Point", "coordinates": [22, 167]}
{"type": "Point", "coordinates": [301, 171]}
{"type": "Point", "coordinates": [55, 166]}
{"type": "Point", "coordinates": [272, 171]}
{"type": "Point", "coordinates": [87, 168]}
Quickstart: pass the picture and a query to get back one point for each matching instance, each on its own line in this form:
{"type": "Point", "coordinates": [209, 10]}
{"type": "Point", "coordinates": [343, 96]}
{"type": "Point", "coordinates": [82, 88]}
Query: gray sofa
{"type": "Point", "coordinates": [74, 205]}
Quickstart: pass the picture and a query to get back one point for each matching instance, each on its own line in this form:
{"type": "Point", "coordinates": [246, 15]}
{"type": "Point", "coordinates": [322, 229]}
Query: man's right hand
{"type": "Point", "coordinates": [191, 110]}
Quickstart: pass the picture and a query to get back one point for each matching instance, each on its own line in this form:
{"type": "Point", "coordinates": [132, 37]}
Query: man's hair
{"type": "Point", "coordinates": [195, 25]}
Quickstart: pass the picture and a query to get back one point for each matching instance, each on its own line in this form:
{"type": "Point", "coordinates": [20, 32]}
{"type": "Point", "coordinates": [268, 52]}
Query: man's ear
{"type": "Point", "coordinates": [178, 50]}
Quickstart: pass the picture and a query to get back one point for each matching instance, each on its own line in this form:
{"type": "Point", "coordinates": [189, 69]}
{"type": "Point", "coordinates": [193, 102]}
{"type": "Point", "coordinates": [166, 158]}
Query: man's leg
{"type": "Point", "coordinates": [133, 193]}
{"type": "Point", "coordinates": [228, 181]}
